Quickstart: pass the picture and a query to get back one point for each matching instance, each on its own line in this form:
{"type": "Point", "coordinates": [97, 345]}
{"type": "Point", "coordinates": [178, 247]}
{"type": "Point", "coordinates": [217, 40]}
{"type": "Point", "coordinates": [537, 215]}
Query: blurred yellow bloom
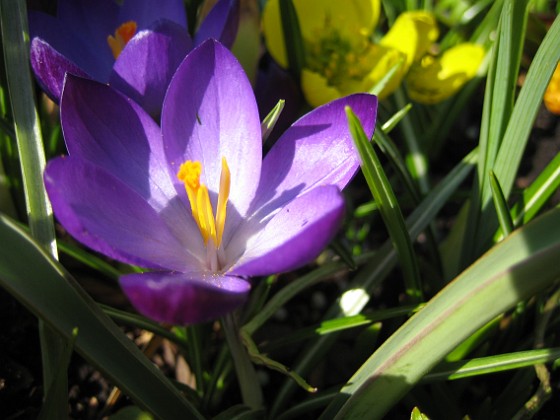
{"type": "Point", "coordinates": [434, 79]}
{"type": "Point", "coordinates": [340, 56]}
{"type": "Point", "coordinates": [552, 93]}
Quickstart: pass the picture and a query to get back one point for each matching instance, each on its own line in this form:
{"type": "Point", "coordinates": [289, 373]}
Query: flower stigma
{"type": "Point", "coordinates": [211, 228]}
{"type": "Point", "coordinates": [123, 34]}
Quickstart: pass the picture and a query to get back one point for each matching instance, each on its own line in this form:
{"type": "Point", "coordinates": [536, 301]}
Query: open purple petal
{"type": "Point", "coordinates": [147, 63]}
{"type": "Point", "coordinates": [221, 23]}
{"type": "Point", "coordinates": [209, 112]}
{"type": "Point", "coordinates": [316, 150]}
{"type": "Point", "coordinates": [111, 131]}
{"type": "Point", "coordinates": [293, 237]}
{"type": "Point", "coordinates": [184, 298]}
{"type": "Point", "coordinates": [50, 68]}
{"type": "Point", "coordinates": [101, 212]}
{"type": "Point", "coordinates": [79, 38]}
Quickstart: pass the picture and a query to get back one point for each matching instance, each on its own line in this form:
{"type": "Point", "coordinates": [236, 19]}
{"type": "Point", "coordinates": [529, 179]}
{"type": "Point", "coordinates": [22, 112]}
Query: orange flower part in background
{"type": "Point", "coordinates": [552, 93]}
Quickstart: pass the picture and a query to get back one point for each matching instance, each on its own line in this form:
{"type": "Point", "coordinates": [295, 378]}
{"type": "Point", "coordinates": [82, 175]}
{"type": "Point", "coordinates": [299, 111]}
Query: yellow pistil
{"type": "Point", "coordinates": [123, 34]}
{"type": "Point", "coordinates": [210, 228]}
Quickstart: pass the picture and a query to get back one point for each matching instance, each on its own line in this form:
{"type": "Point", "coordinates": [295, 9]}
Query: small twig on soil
{"type": "Point", "coordinates": [544, 391]}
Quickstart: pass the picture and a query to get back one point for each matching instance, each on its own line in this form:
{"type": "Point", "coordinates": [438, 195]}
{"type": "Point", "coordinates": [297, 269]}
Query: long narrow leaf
{"type": "Point", "coordinates": [520, 124]}
{"type": "Point", "coordinates": [500, 204]}
{"type": "Point", "coordinates": [377, 270]}
{"type": "Point", "coordinates": [498, 104]}
{"type": "Point", "coordinates": [515, 269]}
{"type": "Point", "coordinates": [13, 16]}
{"type": "Point", "coordinates": [492, 364]}
{"type": "Point", "coordinates": [47, 290]}
{"type": "Point", "coordinates": [292, 37]}
{"type": "Point", "coordinates": [388, 206]}
{"type": "Point", "coordinates": [536, 195]}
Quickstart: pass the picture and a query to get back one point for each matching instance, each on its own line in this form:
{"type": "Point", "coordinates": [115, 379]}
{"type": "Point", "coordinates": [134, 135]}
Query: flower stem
{"type": "Point", "coordinates": [246, 375]}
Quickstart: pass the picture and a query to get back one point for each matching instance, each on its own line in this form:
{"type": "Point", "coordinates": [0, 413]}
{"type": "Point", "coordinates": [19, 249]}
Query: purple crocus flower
{"type": "Point", "coordinates": [195, 202]}
{"type": "Point", "coordinates": [136, 46]}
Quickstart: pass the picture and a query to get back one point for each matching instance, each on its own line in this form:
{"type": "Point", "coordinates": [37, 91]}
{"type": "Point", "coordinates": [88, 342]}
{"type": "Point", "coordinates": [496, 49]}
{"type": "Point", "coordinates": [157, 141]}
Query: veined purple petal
{"type": "Point", "coordinates": [316, 150]}
{"type": "Point", "coordinates": [144, 68]}
{"type": "Point", "coordinates": [209, 112]}
{"type": "Point", "coordinates": [50, 67]}
{"type": "Point", "coordinates": [102, 213]}
{"type": "Point", "coordinates": [221, 23]}
{"type": "Point", "coordinates": [111, 131]}
{"type": "Point", "coordinates": [184, 298]}
{"type": "Point", "coordinates": [293, 237]}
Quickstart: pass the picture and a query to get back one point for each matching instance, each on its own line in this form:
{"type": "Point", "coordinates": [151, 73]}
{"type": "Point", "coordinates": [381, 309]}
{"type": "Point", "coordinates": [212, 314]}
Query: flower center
{"type": "Point", "coordinates": [336, 58]}
{"type": "Point", "coordinates": [123, 34]}
{"type": "Point", "coordinates": [211, 228]}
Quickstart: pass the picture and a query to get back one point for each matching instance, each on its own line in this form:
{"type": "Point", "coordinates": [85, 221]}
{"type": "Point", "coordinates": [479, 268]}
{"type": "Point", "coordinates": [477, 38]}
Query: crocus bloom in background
{"type": "Point", "coordinates": [434, 79]}
{"type": "Point", "coordinates": [200, 208]}
{"type": "Point", "coordinates": [340, 56]}
{"type": "Point", "coordinates": [136, 46]}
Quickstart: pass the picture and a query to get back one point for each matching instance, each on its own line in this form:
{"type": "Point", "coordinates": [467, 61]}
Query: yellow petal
{"type": "Point", "coordinates": [552, 93]}
{"type": "Point", "coordinates": [382, 60]}
{"type": "Point", "coordinates": [434, 79]}
{"type": "Point", "coordinates": [348, 17]}
{"type": "Point", "coordinates": [352, 19]}
{"type": "Point", "coordinates": [412, 34]}
{"type": "Point", "coordinates": [316, 90]}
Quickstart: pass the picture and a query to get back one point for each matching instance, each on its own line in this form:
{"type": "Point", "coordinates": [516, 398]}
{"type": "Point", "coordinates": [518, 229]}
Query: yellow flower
{"type": "Point", "coordinates": [434, 79]}
{"type": "Point", "coordinates": [552, 93]}
{"type": "Point", "coordinates": [340, 56]}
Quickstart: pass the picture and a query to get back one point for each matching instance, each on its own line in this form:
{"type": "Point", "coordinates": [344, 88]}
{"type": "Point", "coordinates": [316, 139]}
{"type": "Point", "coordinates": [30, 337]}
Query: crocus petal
{"type": "Point", "coordinates": [184, 298]}
{"type": "Point", "coordinates": [316, 89]}
{"type": "Point", "coordinates": [350, 19]}
{"type": "Point", "coordinates": [102, 213]}
{"type": "Point", "coordinates": [295, 236]}
{"type": "Point", "coordinates": [210, 112]}
{"type": "Point", "coordinates": [50, 67]}
{"type": "Point", "coordinates": [144, 12]}
{"type": "Point", "coordinates": [382, 60]}
{"type": "Point", "coordinates": [433, 80]}
{"type": "Point", "coordinates": [93, 120]}
{"type": "Point", "coordinates": [316, 150]}
{"type": "Point", "coordinates": [221, 23]}
{"type": "Point", "coordinates": [92, 21]}
{"type": "Point", "coordinates": [144, 68]}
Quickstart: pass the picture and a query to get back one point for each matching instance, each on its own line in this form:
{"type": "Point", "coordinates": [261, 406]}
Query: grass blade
{"type": "Point", "coordinates": [492, 364]}
{"type": "Point", "coordinates": [13, 16]}
{"type": "Point", "coordinates": [48, 291]}
{"type": "Point", "coordinates": [536, 195]}
{"type": "Point", "coordinates": [496, 282]}
{"type": "Point", "coordinates": [376, 270]}
{"type": "Point", "coordinates": [520, 125]}
{"type": "Point", "coordinates": [292, 37]}
{"type": "Point", "coordinates": [388, 206]}
{"type": "Point", "coordinates": [500, 204]}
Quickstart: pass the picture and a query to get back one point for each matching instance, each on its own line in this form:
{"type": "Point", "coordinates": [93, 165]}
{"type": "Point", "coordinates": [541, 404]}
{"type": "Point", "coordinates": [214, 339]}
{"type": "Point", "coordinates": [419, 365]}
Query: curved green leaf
{"type": "Point", "coordinates": [523, 264]}
{"type": "Point", "coordinates": [47, 290]}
